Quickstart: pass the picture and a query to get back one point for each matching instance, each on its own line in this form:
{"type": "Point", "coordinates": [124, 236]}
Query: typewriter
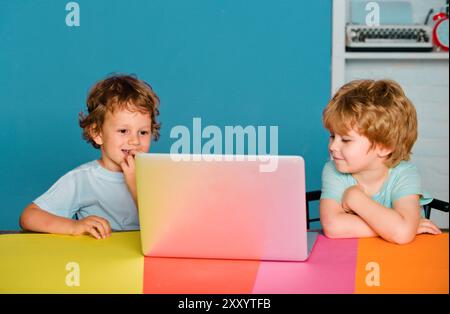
{"type": "Point", "coordinates": [389, 38]}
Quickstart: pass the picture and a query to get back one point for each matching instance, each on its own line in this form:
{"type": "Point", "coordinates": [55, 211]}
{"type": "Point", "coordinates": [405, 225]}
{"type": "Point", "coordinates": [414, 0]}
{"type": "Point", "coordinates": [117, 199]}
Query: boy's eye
{"type": "Point", "coordinates": [123, 131]}
{"type": "Point", "coordinates": [331, 135]}
{"type": "Point", "coordinates": [345, 140]}
{"type": "Point", "coordinates": [144, 132]}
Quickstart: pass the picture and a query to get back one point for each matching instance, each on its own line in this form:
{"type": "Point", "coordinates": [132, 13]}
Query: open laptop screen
{"type": "Point", "coordinates": [221, 207]}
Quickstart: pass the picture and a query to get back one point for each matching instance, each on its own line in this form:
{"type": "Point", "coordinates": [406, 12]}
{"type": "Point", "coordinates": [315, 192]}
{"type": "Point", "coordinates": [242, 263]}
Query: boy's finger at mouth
{"type": "Point", "coordinates": [124, 163]}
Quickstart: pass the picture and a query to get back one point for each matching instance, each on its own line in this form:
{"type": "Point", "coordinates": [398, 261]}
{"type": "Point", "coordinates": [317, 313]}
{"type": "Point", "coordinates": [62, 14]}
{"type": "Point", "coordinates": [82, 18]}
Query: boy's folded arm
{"type": "Point", "coordinates": [398, 225]}
{"type": "Point", "coordinates": [34, 218]}
{"type": "Point", "coordinates": [337, 223]}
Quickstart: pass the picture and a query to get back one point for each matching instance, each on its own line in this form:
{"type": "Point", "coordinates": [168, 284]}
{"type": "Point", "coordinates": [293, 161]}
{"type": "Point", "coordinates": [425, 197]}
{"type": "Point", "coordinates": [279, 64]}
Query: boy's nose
{"type": "Point", "coordinates": [332, 146]}
{"type": "Point", "coordinates": [133, 140]}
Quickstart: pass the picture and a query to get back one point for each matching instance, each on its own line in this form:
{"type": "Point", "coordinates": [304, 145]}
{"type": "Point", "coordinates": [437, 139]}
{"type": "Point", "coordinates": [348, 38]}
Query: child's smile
{"type": "Point", "coordinates": [127, 152]}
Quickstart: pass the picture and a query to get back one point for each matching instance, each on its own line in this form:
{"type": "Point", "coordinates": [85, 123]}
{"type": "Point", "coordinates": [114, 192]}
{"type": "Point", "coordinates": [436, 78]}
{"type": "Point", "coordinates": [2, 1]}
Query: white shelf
{"type": "Point", "coordinates": [396, 55]}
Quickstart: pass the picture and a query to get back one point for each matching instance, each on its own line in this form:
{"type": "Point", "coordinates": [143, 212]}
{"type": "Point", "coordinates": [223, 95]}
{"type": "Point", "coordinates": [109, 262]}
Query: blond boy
{"type": "Point", "coordinates": [370, 188]}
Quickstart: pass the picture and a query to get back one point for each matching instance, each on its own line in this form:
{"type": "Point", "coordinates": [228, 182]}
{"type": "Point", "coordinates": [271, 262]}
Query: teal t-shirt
{"type": "Point", "coordinates": [403, 180]}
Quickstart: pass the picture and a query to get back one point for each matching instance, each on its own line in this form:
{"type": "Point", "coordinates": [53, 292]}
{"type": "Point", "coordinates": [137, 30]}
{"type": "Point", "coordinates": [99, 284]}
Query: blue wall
{"type": "Point", "coordinates": [229, 62]}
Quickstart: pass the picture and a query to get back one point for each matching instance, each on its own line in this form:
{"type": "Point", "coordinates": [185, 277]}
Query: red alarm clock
{"type": "Point", "coordinates": [440, 31]}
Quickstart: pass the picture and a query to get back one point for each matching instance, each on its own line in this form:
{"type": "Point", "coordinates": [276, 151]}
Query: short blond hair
{"type": "Point", "coordinates": [380, 111]}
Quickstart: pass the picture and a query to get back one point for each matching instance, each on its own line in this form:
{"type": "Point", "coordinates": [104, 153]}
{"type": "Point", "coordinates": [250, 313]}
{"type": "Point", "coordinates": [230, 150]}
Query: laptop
{"type": "Point", "coordinates": [223, 207]}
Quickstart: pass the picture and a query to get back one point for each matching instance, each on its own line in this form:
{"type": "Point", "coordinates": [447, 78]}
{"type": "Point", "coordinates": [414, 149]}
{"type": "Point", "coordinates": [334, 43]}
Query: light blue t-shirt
{"type": "Point", "coordinates": [89, 190]}
{"type": "Point", "coordinates": [403, 180]}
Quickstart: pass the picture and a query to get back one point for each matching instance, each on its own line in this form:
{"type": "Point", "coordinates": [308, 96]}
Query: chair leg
{"type": "Point", "coordinates": [307, 216]}
{"type": "Point", "coordinates": [427, 209]}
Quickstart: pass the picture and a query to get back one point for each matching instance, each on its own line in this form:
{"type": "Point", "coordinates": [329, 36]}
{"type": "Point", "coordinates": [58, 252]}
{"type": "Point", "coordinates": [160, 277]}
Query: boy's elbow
{"type": "Point", "coordinates": [25, 218]}
{"type": "Point", "coordinates": [403, 236]}
{"type": "Point", "coordinates": [329, 233]}
{"type": "Point", "coordinates": [330, 229]}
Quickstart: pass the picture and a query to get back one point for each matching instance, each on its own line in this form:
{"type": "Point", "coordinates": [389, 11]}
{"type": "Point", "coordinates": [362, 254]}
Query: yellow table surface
{"type": "Point", "coordinates": [38, 265]}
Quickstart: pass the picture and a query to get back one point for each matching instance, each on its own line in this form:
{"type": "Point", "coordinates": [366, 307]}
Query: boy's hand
{"type": "Point", "coordinates": [129, 171]}
{"type": "Point", "coordinates": [427, 226]}
{"type": "Point", "coordinates": [349, 197]}
{"type": "Point", "coordinates": [96, 226]}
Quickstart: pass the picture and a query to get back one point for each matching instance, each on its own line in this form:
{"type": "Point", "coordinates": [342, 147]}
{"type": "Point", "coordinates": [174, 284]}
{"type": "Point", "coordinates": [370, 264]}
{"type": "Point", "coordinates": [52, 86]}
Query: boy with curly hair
{"type": "Point", "coordinates": [100, 196]}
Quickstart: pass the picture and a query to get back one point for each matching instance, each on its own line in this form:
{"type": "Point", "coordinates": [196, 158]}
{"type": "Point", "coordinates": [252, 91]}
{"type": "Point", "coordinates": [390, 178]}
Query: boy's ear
{"type": "Point", "coordinates": [96, 135]}
{"type": "Point", "coordinates": [384, 152]}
